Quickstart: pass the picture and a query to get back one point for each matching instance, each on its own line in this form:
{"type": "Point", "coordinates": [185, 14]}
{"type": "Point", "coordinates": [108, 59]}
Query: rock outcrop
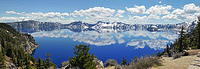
{"type": "Point", "coordinates": [196, 63]}
{"type": "Point", "coordinates": [11, 41]}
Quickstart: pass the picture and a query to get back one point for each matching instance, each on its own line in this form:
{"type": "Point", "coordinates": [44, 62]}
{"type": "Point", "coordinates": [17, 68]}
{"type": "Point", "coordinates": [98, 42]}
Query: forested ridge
{"type": "Point", "coordinates": [185, 41]}
{"type": "Point", "coordinates": [15, 50]}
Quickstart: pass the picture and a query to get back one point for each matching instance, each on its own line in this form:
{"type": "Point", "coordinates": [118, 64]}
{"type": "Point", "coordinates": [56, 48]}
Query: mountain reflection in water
{"type": "Point", "coordinates": [105, 44]}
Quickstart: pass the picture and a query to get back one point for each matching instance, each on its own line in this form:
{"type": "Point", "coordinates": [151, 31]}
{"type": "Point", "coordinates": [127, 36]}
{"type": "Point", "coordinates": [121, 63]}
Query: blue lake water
{"type": "Point", "coordinates": [105, 44]}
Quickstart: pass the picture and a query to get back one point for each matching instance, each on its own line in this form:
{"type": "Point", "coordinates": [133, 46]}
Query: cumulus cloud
{"type": "Point", "coordinates": [191, 8]}
{"type": "Point", "coordinates": [137, 9]}
{"type": "Point", "coordinates": [11, 12]}
{"type": "Point", "coordinates": [178, 12]}
{"type": "Point", "coordinates": [10, 19]}
{"type": "Point", "coordinates": [152, 16]}
{"type": "Point", "coordinates": [168, 17]}
{"type": "Point", "coordinates": [137, 19]}
{"type": "Point", "coordinates": [49, 14]}
{"type": "Point", "coordinates": [188, 13]}
{"type": "Point", "coordinates": [92, 15]}
{"type": "Point", "coordinates": [139, 14]}
{"type": "Point", "coordinates": [120, 13]}
{"type": "Point", "coordinates": [159, 9]}
{"type": "Point", "coordinates": [94, 12]}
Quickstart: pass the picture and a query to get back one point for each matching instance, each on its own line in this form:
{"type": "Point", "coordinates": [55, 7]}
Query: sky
{"type": "Point", "coordinates": [91, 11]}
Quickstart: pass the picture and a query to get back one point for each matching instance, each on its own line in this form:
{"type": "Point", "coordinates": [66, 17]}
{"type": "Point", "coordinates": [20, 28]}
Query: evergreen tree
{"type": "Point", "coordinates": [167, 49]}
{"type": "Point", "coordinates": [136, 59]}
{"type": "Point", "coordinates": [124, 61]}
{"type": "Point", "coordinates": [181, 36]}
{"type": "Point", "coordinates": [40, 64]}
{"type": "Point", "coordinates": [198, 28]}
{"type": "Point", "coordinates": [186, 42]}
{"type": "Point", "coordinates": [12, 45]}
{"type": "Point", "coordinates": [27, 62]}
{"type": "Point", "coordinates": [10, 50]}
{"type": "Point", "coordinates": [33, 60]}
{"type": "Point", "coordinates": [82, 58]}
{"type": "Point", "coordinates": [3, 48]}
{"type": "Point", "coordinates": [20, 57]}
{"type": "Point", "coordinates": [47, 61]}
{"type": "Point", "coordinates": [2, 61]}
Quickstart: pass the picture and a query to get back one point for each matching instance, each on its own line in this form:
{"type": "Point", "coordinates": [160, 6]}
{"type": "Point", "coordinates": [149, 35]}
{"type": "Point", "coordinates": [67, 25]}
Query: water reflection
{"type": "Point", "coordinates": [139, 39]}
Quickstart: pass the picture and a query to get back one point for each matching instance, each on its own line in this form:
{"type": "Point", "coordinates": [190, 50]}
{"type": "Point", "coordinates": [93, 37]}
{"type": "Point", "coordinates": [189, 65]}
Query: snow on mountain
{"type": "Point", "coordinates": [100, 26]}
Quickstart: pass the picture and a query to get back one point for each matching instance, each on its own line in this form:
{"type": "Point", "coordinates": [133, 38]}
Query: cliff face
{"type": "Point", "coordinates": [8, 34]}
{"type": "Point", "coordinates": [11, 43]}
{"type": "Point", "coordinates": [34, 26]}
{"type": "Point", "coordinates": [30, 43]}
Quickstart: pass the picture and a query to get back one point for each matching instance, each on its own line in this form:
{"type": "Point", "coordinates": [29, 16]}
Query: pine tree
{"type": "Point", "coordinates": [20, 57]}
{"type": "Point", "coordinates": [27, 62]}
{"type": "Point", "coordinates": [82, 58]}
{"type": "Point", "coordinates": [124, 61]}
{"type": "Point", "coordinates": [198, 28]}
{"type": "Point", "coordinates": [2, 60]}
{"type": "Point", "coordinates": [136, 59]}
{"type": "Point", "coordinates": [33, 60]}
{"type": "Point", "coordinates": [40, 64]}
{"type": "Point", "coordinates": [47, 61]}
{"type": "Point", "coordinates": [167, 49]}
{"type": "Point", "coordinates": [181, 36]}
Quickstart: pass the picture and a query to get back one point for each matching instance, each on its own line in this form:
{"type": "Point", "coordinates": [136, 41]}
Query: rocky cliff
{"type": "Point", "coordinates": [8, 34]}
{"type": "Point", "coordinates": [36, 26]}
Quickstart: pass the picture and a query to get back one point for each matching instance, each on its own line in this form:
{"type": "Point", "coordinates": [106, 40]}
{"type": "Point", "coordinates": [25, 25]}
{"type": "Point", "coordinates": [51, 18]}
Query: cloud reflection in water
{"type": "Point", "coordinates": [139, 39]}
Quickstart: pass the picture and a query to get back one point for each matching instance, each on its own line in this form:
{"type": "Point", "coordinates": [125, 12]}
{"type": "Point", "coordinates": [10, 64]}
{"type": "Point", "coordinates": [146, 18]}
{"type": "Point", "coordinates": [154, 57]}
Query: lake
{"type": "Point", "coordinates": [105, 44]}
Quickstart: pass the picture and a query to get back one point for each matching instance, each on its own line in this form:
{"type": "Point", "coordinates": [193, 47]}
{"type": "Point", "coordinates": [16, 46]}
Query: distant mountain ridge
{"type": "Point", "coordinates": [34, 26]}
{"type": "Point", "coordinates": [31, 26]}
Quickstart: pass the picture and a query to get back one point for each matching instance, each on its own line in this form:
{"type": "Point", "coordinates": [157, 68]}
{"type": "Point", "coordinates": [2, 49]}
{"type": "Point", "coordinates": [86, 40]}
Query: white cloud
{"type": "Point", "coordinates": [159, 9]}
{"type": "Point", "coordinates": [169, 16]}
{"type": "Point", "coordinates": [191, 8]}
{"type": "Point", "coordinates": [13, 12]}
{"type": "Point", "coordinates": [151, 16]}
{"type": "Point", "coordinates": [138, 19]}
{"type": "Point", "coordinates": [137, 9]}
{"type": "Point", "coordinates": [120, 13]}
{"type": "Point", "coordinates": [178, 12]}
{"type": "Point", "coordinates": [49, 14]}
{"type": "Point", "coordinates": [160, 2]}
{"type": "Point", "coordinates": [10, 12]}
{"type": "Point", "coordinates": [10, 19]}
{"type": "Point", "coordinates": [40, 16]}
{"type": "Point", "coordinates": [139, 14]}
{"type": "Point", "coordinates": [94, 12]}
{"type": "Point", "coordinates": [188, 13]}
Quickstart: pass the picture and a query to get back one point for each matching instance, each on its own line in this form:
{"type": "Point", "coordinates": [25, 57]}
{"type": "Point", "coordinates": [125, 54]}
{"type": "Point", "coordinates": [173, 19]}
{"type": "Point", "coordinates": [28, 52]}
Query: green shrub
{"type": "Point", "coordinates": [144, 63]}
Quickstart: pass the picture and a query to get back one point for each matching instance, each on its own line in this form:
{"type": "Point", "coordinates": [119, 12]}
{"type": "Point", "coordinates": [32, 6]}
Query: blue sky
{"type": "Point", "coordinates": [128, 11]}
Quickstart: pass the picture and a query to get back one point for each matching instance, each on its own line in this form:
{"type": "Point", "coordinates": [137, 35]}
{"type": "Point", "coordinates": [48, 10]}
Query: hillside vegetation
{"type": "Point", "coordinates": [185, 41]}
{"type": "Point", "coordinates": [15, 50]}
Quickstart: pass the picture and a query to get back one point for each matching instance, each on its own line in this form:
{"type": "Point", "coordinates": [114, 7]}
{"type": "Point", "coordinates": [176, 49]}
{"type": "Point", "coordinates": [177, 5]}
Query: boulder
{"type": "Point", "coordinates": [99, 63]}
{"type": "Point", "coordinates": [111, 62]}
{"type": "Point", "coordinates": [198, 54]}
